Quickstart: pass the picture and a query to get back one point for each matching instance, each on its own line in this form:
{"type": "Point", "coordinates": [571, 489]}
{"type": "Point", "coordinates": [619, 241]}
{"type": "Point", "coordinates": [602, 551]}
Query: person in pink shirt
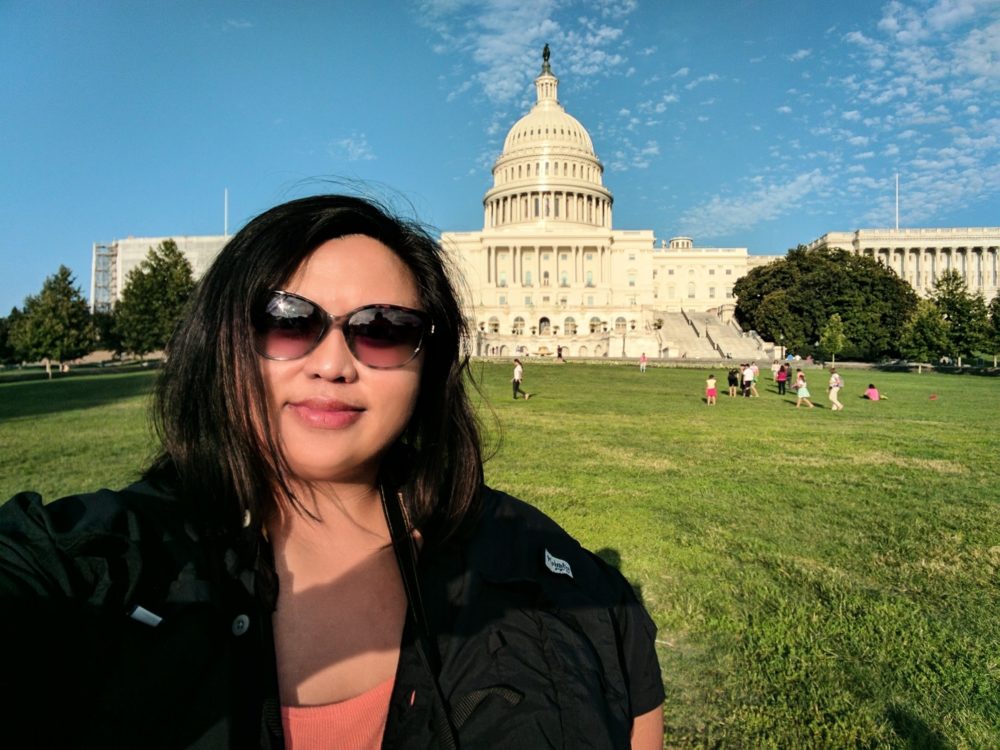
{"type": "Point", "coordinates": [872, 393]}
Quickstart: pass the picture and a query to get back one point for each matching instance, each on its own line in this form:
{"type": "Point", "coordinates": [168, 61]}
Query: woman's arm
{"type": "Point", "coordinates": [647, 730]}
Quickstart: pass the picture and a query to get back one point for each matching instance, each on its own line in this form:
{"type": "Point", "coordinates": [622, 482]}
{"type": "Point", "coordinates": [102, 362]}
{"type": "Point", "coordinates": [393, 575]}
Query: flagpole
{"type": "Point", "coordinates": [897, 201]}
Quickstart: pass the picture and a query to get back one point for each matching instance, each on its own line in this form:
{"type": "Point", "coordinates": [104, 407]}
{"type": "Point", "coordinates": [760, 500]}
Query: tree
{"type": "Point", "coordinates": [966, 315]}
{"type": "Point", "coordinates": [993, 333]}
{"type": "Point", "coordinates": [7, 353]}
{"type": "Point", "coordinates": [793, 299]}
{"type": "Point", "coordinates": [54, 325]}
{"type": "Point", "coordinates": [925, 335]}
{"type": "Point", "coordinates": [107, 334]}
{"type": "Point", "coordinates": [153, 299]}
{"type": "Point", "coordinates": [832, 339]}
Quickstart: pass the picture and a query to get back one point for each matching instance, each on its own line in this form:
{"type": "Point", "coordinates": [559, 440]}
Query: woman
{"type": "Point", "coordinates": [802, 390]}
{"type": "Point", "coordinates": [733, 378]}
{"type": "Point", "coordinates": [313, 559]}
{"type": "Point", "coordinates": [782, 379]}
{"type": "Point", "coordinates": [833, 389]}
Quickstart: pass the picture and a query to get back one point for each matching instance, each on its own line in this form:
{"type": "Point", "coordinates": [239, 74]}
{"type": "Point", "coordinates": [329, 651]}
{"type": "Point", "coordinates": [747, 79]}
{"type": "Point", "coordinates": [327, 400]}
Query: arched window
{"type": "Point", "coordinates": [595, 325]}
{"type": "Point", "coordinates": [494, 325]}
{"type": "Point", "coordinates": [563, 278]}
{"type": "Point", "coordinates": [569, 326]}
{"type": "Point", "coordinates": [545, 278]}
{"type": "Point", "coordinates": [620, 325]}
{"type": "Point", "coordinates": [544, 324]}
{"type": "Point", "coordinates": [518, 325]}
{"type": "Point", "coordinates": [590, 278]}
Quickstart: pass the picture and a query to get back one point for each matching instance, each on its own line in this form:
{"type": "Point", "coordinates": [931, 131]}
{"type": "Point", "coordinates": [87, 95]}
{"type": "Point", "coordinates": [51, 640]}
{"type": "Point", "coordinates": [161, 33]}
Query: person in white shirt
{"type": "Point", "coordinates": [516, 380]}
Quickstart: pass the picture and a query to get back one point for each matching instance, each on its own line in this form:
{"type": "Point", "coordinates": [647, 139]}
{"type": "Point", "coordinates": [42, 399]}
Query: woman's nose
{"type": "Point", "coordinates": [332, 358]}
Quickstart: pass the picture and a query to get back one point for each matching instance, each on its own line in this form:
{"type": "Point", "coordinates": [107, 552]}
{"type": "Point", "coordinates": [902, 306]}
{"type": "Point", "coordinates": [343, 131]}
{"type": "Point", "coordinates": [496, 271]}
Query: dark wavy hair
{"type": "Point", "coordinates": [210, 409]}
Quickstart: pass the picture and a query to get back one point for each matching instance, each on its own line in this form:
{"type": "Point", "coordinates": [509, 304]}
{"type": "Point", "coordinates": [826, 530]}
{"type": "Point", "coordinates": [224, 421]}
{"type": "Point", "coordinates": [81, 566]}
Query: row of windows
{"type": "Point", "coordinates": [692, 292]}
{"type": "Point", "coordinates": [569, 326]}
{"type": "Point", "coordinates": [530, 133]}
{"type": "Point", "coordinates": [568, 170]}
{"type": "Point", "coordinates": [529, 279]}
{"type": "Point", "coordinates": [711, 272]}
{"type": "Point", "coordinates": [563, 301]}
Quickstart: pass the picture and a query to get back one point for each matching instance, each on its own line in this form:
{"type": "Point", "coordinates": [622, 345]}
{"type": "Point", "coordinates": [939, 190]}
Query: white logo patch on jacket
{"type": "Point", "coordinates": [556, 565]}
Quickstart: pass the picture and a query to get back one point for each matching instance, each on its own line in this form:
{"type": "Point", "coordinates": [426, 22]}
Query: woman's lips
{"type": "Point", "coordinates": [326, 415]}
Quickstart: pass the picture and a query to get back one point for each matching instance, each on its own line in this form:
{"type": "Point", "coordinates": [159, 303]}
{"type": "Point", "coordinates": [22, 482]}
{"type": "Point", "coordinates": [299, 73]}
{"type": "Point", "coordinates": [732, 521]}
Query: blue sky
{"type": "Point", "coordinates": [756, 123]}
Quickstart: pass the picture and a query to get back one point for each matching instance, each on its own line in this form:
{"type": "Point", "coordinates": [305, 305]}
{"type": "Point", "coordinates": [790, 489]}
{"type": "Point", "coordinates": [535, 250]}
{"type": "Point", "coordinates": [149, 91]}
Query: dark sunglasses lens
{"type": "Point", "coordinates": [288, 327]}
{"type": "Point", "coordinates": [384, 336]}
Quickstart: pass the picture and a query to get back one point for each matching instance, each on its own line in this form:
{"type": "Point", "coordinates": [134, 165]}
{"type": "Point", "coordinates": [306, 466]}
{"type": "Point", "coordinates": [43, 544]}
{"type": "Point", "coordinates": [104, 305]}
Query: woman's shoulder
{"type": "Point", "coordinates": [66, 545]}
{"type": "Point", "coordinates": [514, 541]}
{"type": "Point", "coordinates": [85, 515]}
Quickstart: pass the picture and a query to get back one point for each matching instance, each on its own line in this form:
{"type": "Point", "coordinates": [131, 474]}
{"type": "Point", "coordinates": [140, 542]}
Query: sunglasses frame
{"type": "Point", "coordinates": [331, 322]}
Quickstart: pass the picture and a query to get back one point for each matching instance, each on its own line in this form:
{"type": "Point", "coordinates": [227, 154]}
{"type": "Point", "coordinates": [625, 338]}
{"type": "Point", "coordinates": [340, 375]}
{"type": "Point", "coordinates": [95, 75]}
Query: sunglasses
{"type": "Point", "coordinates": [287, 326]}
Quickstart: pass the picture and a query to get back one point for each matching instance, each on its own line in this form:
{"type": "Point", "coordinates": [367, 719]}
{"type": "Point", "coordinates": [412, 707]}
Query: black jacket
{"type": "Point", "coordinates": [536, 642]}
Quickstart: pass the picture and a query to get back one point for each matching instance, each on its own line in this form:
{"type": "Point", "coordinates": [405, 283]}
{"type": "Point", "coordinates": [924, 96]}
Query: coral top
{"type": "Point", "coordinates": [355, 724]}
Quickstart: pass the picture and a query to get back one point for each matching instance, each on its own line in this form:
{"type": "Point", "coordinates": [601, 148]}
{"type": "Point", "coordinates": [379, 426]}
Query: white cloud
{"type": "Point", "coordinates": [979, 54]}
{"type": "Point", "coordinates": [945, 14]}
{"type": "Point", "coordinates": [616, 8]}
{"type": "Point", "coordinates": [785, 109]}
{"type": "Point", "coordinates": [722, 216]}
{"type": "Point", "coordinates": [798, 55]}
{"type": "Point", "coordinates": [851, 115]}
{"type": "Point", "coordinates": [629, 155]}
{"type": "Point", "coordinates": [354, 147]}
{"type": "Point", "coordinates": [681, 73]}
{"type": "Point", "coordinates": [237, 24]}
{"type": "Point", "coordinates": [504, 40]}
{"type": "Point", "coordinates": [700, 80]}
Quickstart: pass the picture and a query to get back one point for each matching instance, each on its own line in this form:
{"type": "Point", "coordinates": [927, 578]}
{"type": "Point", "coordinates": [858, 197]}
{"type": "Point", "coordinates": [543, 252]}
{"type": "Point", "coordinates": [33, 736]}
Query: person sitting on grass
{"type": "Point", "coordinates": [872, 393]}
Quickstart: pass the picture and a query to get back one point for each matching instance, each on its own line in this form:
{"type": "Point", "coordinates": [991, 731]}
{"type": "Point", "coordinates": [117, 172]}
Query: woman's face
{"type": "Point", "coordinates": [333, 415]}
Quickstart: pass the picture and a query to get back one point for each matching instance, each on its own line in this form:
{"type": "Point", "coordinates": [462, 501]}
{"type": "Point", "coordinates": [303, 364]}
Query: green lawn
{"type": "Point", "coordinates": [819, 579]}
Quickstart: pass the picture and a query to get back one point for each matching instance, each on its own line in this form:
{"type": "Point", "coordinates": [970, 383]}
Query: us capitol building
{"type": "Point", "coordinates": [549, 273]}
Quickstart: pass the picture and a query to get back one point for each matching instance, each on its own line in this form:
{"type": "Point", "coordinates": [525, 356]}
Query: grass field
{"type": "Point", "coordinates": [819, 579]}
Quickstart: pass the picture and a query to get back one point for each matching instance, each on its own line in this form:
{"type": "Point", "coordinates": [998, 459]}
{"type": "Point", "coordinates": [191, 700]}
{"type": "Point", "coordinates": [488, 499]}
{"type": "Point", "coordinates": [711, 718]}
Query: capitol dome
{"type": "Point", "coordinates": [548, 170]}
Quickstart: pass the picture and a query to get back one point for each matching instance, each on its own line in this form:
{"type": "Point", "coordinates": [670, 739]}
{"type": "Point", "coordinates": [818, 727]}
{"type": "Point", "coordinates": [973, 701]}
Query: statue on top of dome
{"type": "Point", "coordinates": [546, 68]}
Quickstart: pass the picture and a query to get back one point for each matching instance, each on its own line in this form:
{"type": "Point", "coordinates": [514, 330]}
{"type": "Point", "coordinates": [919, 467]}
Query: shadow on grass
{"type": "Point", "coordinates": [914, 732]}
{"type": "Point", "coordinates": [613, 558]}
{"type": "Point", "coordinates": [34, 398]}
